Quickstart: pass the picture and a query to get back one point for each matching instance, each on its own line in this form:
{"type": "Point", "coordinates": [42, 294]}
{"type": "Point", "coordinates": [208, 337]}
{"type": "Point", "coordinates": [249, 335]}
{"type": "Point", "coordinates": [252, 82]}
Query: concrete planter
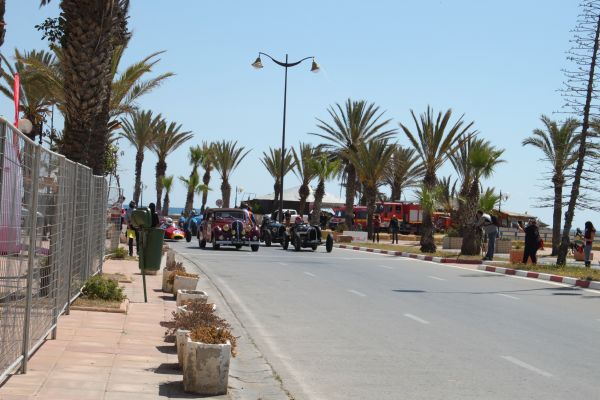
{"type": "Point", "coordinates": [451, 242]}
{"type": "Point", "coordinates": [184, 295]}
{"type": "Point", "coordinates": [184, 283]}
{"type": "Point", "coordinates": [181, 337]}
{"type": "Point", "coordinates": [166, 286]}
{"type": "Point", "coordinates": [170, 258]}
{"type": "Point", "coordinates": [206, 368]}
{"type": "Point", "coordinates": [503, 246]}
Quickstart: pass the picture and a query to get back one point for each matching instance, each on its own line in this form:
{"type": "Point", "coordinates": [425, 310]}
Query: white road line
{"type": "Point", "coordinates": [357, 293]}
{"type": "Point", "coordinates": [436, 278]}
{"type": "Point", "coordinates": [522, 364]}
{"type": "Point", "coordinates": [385, 266]}
{"type": "Point", "coordinates": [415, 318]}
{"type": "Point", "coordinates": [507, 295]}
{"type": "Point", "coordinates": [282, 263]}
{"type": "Point", "coordinates": [309, 274]}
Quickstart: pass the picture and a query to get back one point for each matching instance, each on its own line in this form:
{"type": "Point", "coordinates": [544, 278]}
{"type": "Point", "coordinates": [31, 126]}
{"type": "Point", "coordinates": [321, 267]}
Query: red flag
{"type": "Point", "coordinates": [16, 91]}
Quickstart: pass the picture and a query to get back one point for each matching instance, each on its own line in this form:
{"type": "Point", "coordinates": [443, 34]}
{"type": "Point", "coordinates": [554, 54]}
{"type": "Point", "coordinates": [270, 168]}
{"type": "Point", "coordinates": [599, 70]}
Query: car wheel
{"type": "Point", "coordinates": [215, 246]}
{"type": "Point", "coordinates": [314, 247]}
{"type": "Point", "coordinates": [329, 243]}
{"type": "Point", "coordinates": [202, 243]}
{"type": "Point", "coordinates": [188, 236]}
{"type": "Point", "coordinates": [297, 242]}
{"type": "Point", "coordinates": [238, 246]}
{"type": "Point", "coordinates": [286, 242]}
{"type": "Point", "coordinates": [268, 239]}
{"type": "Point", "coordinates": [254, 247]}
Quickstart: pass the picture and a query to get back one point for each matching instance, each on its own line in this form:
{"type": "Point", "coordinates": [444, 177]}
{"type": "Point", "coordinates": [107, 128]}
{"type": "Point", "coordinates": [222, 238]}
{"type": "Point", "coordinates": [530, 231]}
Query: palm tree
{"type": "Point", "coordinates": [403, 171]}
{"type": "Point", "coordinates": [434, 142]}
{"type": "Point", "coordinates": [488, 200]}
{"type": "Point", "coordinates": [325, 168]}
{"type": "Point", "coordinates": [195, 157]}
{"type": "Point", "coordinates": [370, 162]}
{"type": "Point", "coordinates": [483, 158]}
{"type": "Point", "coordinates": [447, 194]}
{"type": "Point", "coordinates": [167, 183]}
{"type": "Point", "coordinates": [461, 162]}
{"type": "Point", "coordinates": [207, 164]}
{"type": "Point", "coordinates": [194, 185]}
{"type": "Point", "coordinates": [272, 163]}
{"type": "Point", "coordinates": [2, 23]}
{"type": "Point", "coordinates": [169, 137]}
{"type": "Point", "coordinates": [228, 157]}
{"type": "Point", "coordinates": [304, 171]}
{"type": "Point", "coordinates": [140, 130]}
{"type": "Point", "coordinates": [558, 144]}
{"type": "Point", "coordinates": [352, 126]}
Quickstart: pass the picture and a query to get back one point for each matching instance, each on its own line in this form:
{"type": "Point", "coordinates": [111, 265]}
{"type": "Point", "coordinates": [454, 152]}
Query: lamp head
{"type": "Point", "coordinates": [315, 67]}
{"type": "Point", "coordinates": [25, 126]}
{"type": "Point", "coordinates": [258, 63]}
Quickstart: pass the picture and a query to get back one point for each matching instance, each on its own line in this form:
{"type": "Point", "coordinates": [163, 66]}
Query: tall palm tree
{"type": "Point", "coordinates": [228, 157]}
{"type": "Point", "coordinates": [169, 137]}
{"type": "Point", "coordinates": [462, 165]}
{"type": "Point", "coordinates": [207, 164]}
{"type": "Point", "coordinates": [447, 194]}
{"type": "Point", "coordinates": [488, 200]}
{"type": "Point", "coordinates": [167, 183]}
{"type": "Point", "coordinates": [483, 158]}
{"type": "Point", "coordinates": [325, 168]}
{"type": "Point", "coordinates": [403, 171]}
{"type": "Point", "coordinates": [370, 162]}
{"type": "Point", "coordinates": [434, 141]}
{"type": "Point", "coordinates": [304, 171]}
{"type": "Point", "coordinates": [272, 163]}
{"type": "Point", "coordinates": [194, 185]}
{"type": "Point", "coordinates": [140, 130]}
{"type": "Point", "coordinates": [558, 144]}
{"type": "Point", "coordinates": [195, 157]}
{"type": "Point", "coordinates": [351, 126]}
{"type": "Point", "coordinates": [2, 23]}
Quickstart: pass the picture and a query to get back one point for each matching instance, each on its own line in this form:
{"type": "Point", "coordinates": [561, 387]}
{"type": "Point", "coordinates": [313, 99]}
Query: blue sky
{"type": "Point", "coordinates": [499, 64]}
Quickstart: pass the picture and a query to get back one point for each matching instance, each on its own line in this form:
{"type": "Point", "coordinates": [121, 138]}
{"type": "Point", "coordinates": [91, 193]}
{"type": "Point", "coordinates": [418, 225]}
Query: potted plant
{"type": "Point", "coordinates": [183, 280]}
{"type": "Point", "coordinates": [516, 254]}
{"type": "Point", "coordinates": [181, 337]}
{"type": "Point", "coordinates": [193, 295]}
{"type": "Point", "coordinates": [503, 245]}
{"type": "Point", "coordinates": [452, 240]}
{"type": "Point", "coordinates": [168, 275]}
{"type": "Point", "coordinates": [206, 357]}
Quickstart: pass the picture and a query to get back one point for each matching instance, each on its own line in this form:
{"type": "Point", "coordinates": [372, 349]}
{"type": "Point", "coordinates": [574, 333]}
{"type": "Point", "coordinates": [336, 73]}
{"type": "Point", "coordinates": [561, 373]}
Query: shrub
{"type": "Point", "coordinates": [452, 233]}
{"type": "Point", "coordinates": [119, 254]}
{"type": "Point", "coordinates": [197, 314]}
{"type": "Point", "coordinates": [341, 228]}
{"type": "Point", "coordinates": [171, 279]}
{"type": "Point", "coordinates": [101, 287]}
{"type": "Point", "coordinates": [213, 335]}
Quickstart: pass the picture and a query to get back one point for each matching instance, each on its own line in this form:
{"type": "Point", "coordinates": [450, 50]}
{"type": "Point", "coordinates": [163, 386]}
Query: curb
{"type": "Point", "coordinates": [481, 267]}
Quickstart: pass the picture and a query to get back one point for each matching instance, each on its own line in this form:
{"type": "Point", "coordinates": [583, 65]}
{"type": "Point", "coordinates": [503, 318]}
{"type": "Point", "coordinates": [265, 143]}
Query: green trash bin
{"type": "Point", "coordinates": [141, 218]}
{"type": "Point", "coordinates": [152, 253]}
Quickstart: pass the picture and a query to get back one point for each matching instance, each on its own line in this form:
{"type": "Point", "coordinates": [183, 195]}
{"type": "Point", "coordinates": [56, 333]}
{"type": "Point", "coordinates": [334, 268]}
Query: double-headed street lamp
{"type": "Point", "coordinates": [314, 68]}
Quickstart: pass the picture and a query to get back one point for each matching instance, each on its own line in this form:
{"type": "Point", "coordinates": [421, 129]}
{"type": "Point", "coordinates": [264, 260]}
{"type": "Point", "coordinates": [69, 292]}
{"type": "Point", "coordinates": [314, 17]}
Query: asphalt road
{"type": "Point", "coordinates": [353, 325]}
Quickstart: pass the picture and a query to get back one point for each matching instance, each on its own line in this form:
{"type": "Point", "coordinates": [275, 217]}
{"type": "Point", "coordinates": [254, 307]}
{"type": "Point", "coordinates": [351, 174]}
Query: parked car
{"type": "Point", "coordinates": [228, 227]}
{"type": "Point", "coordinates": [271, 231]}
{"type": "Point", "coordinates": [302, 235]}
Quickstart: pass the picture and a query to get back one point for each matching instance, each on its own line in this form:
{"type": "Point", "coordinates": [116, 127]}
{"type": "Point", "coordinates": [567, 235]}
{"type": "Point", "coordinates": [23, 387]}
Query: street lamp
{"type": "Point", "coordinates": [503, 196]}
{"type": "Point", "coordinates": [314, 68]}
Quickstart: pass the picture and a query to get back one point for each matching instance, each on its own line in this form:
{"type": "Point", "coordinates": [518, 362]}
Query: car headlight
{"type": "Point", "coordinates": [274, 230]}
{"type": "Point", "coordinates": [221, 237]}
{"type": "Point", "coordinates": [244, 231]}
{"type": "Point", "coordinates": [226, 227]}
{"type": "Point", "coordinates": [254, 238]}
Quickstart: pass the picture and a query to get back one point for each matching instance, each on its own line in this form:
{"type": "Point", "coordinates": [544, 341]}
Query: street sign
{"type": "Point", "coordinates": [219, 203]}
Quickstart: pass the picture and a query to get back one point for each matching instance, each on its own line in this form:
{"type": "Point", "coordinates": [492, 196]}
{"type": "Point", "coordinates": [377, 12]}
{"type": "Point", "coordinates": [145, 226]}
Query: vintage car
{"type": "Point", "coordinates": [271, 231]}
{"type": "Point", "coordinates": [171, 230]}
{"type": "Point", "coordinates": [228, 227]}
{"type": "Point", "coordinates": [191, 226]}
{"type": "Point", "coordinates": [302, 235]}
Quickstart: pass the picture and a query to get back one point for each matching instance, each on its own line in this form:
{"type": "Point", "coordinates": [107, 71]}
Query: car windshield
{"type": "Point", "coordinates": [230, 215]}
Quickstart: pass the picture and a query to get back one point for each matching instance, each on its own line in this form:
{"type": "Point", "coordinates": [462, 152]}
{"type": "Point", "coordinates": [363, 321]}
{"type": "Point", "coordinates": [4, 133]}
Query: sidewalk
{"type": "Point", "coordinates": [107, 356]}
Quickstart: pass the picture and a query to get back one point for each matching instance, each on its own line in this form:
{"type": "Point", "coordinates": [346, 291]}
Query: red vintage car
{"type": "Point", "coordinates": [228, 227]}
{"type": "Point", "coordinates": [171, 230]}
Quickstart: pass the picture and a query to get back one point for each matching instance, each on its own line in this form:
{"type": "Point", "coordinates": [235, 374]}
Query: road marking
{"type": "Point", "coordinates": [357, 293]}
{"type": "Point", "coordinates": [282, 263]}
{"type": "Point", "coordinates": [507, 295]}
{"type": "Point", "coordinates": [385, 266]}
{"type": "Point", "coordinates": [309, 274]}
{"type": "Point", "coordinates": [415, 318]}
{"type": "Point", "coordinates": [523, 364]}
{"type": "Point", "coordinates": [436, 278]}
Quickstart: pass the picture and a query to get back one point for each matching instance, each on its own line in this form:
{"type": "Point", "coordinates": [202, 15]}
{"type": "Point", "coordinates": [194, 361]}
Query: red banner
{"type": "Point", "coordinates": [16, 92]}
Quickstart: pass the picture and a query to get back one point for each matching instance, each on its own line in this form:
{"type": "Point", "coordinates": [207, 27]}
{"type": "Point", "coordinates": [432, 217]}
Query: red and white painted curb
{"type": "Point", "coordinates": [481, 267]}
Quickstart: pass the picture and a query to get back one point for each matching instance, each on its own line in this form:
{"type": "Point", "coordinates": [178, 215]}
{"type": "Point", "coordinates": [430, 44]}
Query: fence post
{"type": "Point", "coordinates": [31, 255]}
{"type": "Point", "coordinates": [105, 206]}
{"type": "Point", "coordinates": [2, 144]}
{"type": "Point", "coordinates": [59, 227]}
{"type": "Point", "coordinates": [70, 277]}
{"type": "Point", "coordinates": [90, 218]}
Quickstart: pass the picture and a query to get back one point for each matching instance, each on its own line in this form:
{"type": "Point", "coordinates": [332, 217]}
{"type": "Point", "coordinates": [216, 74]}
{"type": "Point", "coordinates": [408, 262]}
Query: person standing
{"type": "Point", "coordinates": [532, 242]}
{"type": "Point", "coordinates": [154, 215]}
{"type": "Point", "coordinates": [376, 226]}
{"type": "Point", "coordinates": [131, 231]}
{"type": "Point", "coordinates": [588, 235]}
{"type": "Point", "coordinates": [484, 221]}
{"type": "Point", "coordinates": [394, 228]}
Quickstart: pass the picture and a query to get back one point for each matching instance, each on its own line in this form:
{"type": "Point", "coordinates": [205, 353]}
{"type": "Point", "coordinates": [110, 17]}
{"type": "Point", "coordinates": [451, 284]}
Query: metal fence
{"type": "Point", "coordinates": [53, 218]}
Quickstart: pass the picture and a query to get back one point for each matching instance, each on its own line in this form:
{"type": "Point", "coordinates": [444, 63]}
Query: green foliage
{"type": "Point", "coordinates": [100, 287]}
{"type": "Point", "coordinates": [119, 254]}
{"type": "Point", "coordinates": [452, 233]}
{"type": "Point", "coordinates": [53, 29]}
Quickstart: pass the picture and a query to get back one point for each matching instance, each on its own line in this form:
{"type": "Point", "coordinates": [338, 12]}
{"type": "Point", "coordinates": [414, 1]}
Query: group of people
{"type": "Point", "coordinates": [394, 228]}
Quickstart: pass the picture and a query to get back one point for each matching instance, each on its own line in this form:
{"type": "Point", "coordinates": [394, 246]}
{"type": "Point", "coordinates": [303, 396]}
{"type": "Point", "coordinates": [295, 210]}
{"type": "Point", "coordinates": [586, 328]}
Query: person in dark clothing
{"type": "Point", "coordinates": [532, 242]}
{"type": "Point", "coordinates": [132, 233]}
{"type": "Point", "coordinates": [155, 220]}
{"type": "Point", "coordinates": [376, 226]}
{"type": "Point", "coordinates": [588, 236]}
{"type": "Point", "coordinates": [394, 228]}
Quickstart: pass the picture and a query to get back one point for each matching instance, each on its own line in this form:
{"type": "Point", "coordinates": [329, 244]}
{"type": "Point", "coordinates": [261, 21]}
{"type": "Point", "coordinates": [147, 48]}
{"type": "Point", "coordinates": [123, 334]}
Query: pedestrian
{"type": "Point", "coordinates": [155, 221]}
{"type": "Point", "coordinates": [132, 233]}
{"type": "Point", "coordinates": [484, 221]}
{"type": "Point", "coordinates": [376, 226]}
{"type": "Point", "coordinates": [322, 220]}
{"type": "Point", "coordinates": [394, 228]}
{"type": "Point", "coordinates": [532, 241]}
{"type": "Point", "coordinates": [588, 235]}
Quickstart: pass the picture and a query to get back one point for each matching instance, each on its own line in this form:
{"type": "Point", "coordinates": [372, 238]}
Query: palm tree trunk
{"type": "Point", "coordinates": [225, 192]}
{"type": "Point", "coordinates": [396, 191]}
{"type": "Point", "coordinates": [371, 197]}
{"type": "Point", "coordinates": [166, 204]}
{"type": "Point", "coordinates": [139, 160]}
{"type": "Point", "coordinates": [189, 201]}
{"type": "Point", "coordinates": [277, 191]}
{"type": "Point", "coordinates": [161, 170]}
{"type": "Point", "coordinates": [350, 188]}
{"type": "Point", "coordinates": [557, 215]}
{"type": "Point", "coordinates": [2, 29]}
{"type": "Point", "coordinates": [303, 192]}
{"type": "Point", "coordinates": [99, 136]}
{"type": "Point", "coordinates": [471, 244]}
{"type": "Point", "coordinates": [205, 181]}
{"type": "Point", "coordinates": [427, 242]}
{"type": "Point", "coordinates": [316, 212]}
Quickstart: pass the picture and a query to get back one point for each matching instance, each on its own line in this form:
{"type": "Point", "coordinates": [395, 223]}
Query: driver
{"type": "Point", "coordinates": [287, 218]}
{"type": "Point", "coordinates": [298, 220]}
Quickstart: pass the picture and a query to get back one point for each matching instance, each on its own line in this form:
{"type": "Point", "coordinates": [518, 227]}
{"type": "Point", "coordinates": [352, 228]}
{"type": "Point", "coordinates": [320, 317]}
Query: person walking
{"type": "Point", "coordinates": [154, 215]}
{"type": "Point", "coordinates": [132, 233]}
{"type": "Point", "coordinates": [588, 235]}
{"type": "Point", "coordinates": [376, 226]}
{"type": "Point", "coordinates": [532, 242]}
{"type": "Point", "coordinates": [394, 228]}
{"type": "Point", "coordinates": [484, 221]}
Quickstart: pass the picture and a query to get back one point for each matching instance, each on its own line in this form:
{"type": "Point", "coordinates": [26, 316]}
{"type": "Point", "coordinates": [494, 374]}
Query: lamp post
{"type": "Point", "coordinates": [314, 68]}
{"type": "Point", "coordinates": [503, 196]}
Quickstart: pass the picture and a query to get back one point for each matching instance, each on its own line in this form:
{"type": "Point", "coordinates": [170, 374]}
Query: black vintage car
{"type": "Point", "coordinates": [271, 231]}
{"type": "Point", "coordinates": [302, 235]}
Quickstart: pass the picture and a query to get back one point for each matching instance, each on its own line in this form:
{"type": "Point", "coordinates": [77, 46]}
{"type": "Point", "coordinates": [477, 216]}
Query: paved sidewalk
{"type": "Point", "coordinates": [107, 356]}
